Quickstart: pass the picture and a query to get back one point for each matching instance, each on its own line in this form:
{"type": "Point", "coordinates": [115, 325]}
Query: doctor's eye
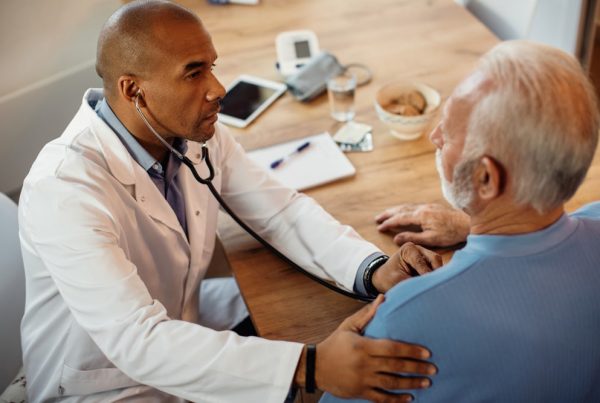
{"type": "Point", "coordinates": [197, 73]}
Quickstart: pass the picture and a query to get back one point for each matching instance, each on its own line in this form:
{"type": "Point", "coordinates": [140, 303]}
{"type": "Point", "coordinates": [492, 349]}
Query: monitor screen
{"type": "Point", "coordinates": [302, 49]}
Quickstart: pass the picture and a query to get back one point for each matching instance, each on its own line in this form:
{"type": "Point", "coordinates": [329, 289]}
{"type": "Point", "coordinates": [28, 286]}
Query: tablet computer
{"type": "Point", "coordinates": [246, 98]}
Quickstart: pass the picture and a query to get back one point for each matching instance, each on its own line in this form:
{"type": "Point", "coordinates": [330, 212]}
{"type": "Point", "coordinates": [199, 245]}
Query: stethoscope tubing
{"type": "Point", "coordinates": [208, 182]}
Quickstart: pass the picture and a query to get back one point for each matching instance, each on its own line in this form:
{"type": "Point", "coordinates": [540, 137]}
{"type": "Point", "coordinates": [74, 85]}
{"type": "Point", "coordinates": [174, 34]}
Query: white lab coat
{"type": "Point", "coordinates": [113, 282]}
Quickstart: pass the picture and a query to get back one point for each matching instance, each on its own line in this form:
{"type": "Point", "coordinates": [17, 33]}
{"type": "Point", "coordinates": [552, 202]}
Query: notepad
{"type": "Point", "coordinates": [322, 162]}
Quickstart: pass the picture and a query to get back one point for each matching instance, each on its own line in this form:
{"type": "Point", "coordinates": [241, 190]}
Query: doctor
{"type": "Point", "coordinates": [116, 240]}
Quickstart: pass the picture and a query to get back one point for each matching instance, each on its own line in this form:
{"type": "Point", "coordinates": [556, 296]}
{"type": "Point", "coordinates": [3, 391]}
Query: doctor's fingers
{"type": "Point", "coordinates": [394, 349]}
{"type": "Point", "coordinates": [394, 382]}
{"type": "Point", "coordinates": [381, 396]}
{"type": "Point", "coordinates": [381, 382]}
{"type": "Point", "coordinates": [401, 365]}
{"type": "Point", "coordinates": [435, 259]}
{"type": "Point", "coordinates": [420, 259]}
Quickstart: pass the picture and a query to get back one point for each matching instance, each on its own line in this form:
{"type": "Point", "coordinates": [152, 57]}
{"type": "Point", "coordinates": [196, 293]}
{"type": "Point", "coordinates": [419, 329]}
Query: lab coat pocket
{"type": "Point", "coordinates": [78, 382]}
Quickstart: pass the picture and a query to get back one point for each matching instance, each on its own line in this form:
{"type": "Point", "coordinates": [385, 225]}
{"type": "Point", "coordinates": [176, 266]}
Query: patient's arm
{"type": "Point", "coordinates": [425, 224]}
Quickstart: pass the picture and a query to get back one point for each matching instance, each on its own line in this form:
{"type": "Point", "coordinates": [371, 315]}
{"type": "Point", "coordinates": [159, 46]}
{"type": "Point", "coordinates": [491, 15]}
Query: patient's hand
{"type": "Point", "coordinates": [410, 260]}
{"type": "Point", "coordinates": [425, 224]}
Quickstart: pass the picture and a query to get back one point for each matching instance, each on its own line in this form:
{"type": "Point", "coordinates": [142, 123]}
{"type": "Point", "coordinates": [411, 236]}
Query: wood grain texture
{"type": "Point", "coordinates": [433, 41]}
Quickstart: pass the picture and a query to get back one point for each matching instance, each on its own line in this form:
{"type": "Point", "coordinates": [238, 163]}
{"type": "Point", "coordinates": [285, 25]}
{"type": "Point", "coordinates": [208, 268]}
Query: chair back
{"type": "Point", "coordinates": [12, 292]}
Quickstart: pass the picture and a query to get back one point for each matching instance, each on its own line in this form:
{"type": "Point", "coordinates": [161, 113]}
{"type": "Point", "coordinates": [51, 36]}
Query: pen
{"type": "Point", "coordinates": [281, 160]}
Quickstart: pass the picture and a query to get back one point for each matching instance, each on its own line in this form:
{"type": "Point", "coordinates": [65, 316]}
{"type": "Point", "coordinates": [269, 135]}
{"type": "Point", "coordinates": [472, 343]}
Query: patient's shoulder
{"type": "Point", "coordinates": [416, 288]}
{"type": "Point", "coordinates": [591, 210]}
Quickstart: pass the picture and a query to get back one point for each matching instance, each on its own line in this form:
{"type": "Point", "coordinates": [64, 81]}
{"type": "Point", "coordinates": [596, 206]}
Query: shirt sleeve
{"type": "Point", "coordinates": [359, 285]}
{"type": "Point", "coordinates": [293, 222]}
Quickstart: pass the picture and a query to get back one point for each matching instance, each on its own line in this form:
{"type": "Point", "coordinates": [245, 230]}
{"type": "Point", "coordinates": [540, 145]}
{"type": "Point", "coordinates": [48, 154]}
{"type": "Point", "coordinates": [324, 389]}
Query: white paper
{"type": "Point", "coordinates": [320, 163]}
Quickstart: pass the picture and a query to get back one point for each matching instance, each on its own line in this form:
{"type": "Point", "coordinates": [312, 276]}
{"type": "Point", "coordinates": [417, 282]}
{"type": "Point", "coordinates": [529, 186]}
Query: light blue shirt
{"type": "Point", "coordinates": [510, 318]}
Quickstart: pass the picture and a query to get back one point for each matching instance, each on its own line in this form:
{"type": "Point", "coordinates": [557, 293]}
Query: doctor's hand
{"type": "Point", "coordinates": [352, 366]}
{"type": "Point", "coordinates": [410, 260]}
{"type": "Point", "coordinates": [425, 224]}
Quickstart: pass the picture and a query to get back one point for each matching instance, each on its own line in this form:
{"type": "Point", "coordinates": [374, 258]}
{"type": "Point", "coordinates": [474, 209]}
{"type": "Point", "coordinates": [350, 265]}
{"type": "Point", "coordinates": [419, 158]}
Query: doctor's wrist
{"type": "Point", "coordinates": [369, 274]}
{"type": "Point", "coordinates": [304, 377]}
{"type": "Point", "coordinates": [299, 375]}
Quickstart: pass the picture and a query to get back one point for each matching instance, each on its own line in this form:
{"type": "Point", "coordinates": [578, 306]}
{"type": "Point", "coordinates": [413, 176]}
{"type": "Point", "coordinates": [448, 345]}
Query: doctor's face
{"type": "Point", "coordinates": [180, 91]}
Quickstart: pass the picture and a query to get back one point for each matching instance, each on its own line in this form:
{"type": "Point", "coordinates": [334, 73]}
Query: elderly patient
{"type": "Point", "coordinates": [515, 315]}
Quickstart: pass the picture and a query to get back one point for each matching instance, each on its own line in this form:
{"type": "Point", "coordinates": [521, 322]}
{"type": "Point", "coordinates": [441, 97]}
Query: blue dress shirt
{"type": "Point", "coordinates": [510, 318]}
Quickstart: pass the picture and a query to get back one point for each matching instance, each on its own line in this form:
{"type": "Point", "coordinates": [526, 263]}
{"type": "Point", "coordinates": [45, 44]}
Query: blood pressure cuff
{"type": "Point", "coordinates": [311, 80]}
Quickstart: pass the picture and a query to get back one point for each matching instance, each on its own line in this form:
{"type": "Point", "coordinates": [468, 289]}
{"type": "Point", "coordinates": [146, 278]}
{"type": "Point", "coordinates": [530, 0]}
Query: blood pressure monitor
{"type": "Point", "coordinates": [294, 49]}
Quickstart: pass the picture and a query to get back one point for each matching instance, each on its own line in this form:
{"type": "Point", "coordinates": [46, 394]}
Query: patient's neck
{"type": "Point", "coordinates": [509, 219]}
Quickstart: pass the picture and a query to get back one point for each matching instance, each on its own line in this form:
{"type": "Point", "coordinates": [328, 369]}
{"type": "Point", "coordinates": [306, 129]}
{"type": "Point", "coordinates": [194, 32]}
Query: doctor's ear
{"type": "Point", "coordinates": [129, 90]}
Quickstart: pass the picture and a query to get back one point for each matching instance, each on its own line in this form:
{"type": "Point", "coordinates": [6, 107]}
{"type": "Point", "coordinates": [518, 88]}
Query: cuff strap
{"type": "Point", "coordinates": [311, 356]}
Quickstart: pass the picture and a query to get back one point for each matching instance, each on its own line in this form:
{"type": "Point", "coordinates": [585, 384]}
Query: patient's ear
{"type": "Point", "coordinates": [489, 178]}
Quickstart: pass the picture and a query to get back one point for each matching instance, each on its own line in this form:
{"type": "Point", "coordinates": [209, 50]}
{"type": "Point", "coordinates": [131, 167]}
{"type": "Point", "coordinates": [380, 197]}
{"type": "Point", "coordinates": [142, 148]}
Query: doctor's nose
{"type": "Point", "coordinates": [216, 92]}
{"type": "Point", "coordinates": [212, 96]}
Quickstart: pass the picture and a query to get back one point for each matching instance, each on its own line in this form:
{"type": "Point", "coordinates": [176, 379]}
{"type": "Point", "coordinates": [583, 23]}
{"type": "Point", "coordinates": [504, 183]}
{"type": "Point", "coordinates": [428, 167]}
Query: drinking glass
{"type": "Point", "coordinates": [340, 89]}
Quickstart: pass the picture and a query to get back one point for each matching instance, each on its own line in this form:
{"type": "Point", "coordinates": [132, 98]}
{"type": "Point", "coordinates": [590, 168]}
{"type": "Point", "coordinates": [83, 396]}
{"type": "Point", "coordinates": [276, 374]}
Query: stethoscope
{"type": "Point", "coordinates": [208, 182]}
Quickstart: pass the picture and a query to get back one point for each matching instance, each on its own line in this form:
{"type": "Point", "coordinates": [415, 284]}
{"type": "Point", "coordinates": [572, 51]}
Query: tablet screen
{"type": "Point", "coordinates": [244, 98]}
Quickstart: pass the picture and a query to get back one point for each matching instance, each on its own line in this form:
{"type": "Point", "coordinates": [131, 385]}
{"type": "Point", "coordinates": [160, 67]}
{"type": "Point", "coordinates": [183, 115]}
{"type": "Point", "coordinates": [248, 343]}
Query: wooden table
{"type": "Point", "coordinates": [433, 41]}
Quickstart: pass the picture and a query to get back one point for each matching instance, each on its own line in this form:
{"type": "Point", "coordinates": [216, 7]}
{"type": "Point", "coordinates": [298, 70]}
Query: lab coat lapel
{"type": "Point", "coordinates": [118, 159]}
{"type": "Point", "coordinates": [197, 198]}
{"type": "Point", "coordinates": [127, 171]}
{"type": "Point", "coordinates": [154, 203]}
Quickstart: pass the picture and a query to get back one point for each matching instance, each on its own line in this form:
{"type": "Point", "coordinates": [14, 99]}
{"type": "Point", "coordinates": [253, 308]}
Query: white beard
{"type": "Point", "coordinates": [459, 192]}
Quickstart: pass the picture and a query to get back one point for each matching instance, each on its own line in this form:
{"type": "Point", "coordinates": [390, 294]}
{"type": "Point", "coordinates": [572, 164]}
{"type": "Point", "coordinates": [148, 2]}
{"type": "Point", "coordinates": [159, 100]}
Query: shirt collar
{"type": "Point", "coordinates": [136, 150]}
{"type": "Point", "coordinates": [522, 244]}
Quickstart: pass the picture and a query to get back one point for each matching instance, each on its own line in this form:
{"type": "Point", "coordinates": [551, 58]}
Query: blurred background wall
{"type": "Point", "coordinates": [566, 24]}
{"type": "Point", "coordinates": [48, 54]}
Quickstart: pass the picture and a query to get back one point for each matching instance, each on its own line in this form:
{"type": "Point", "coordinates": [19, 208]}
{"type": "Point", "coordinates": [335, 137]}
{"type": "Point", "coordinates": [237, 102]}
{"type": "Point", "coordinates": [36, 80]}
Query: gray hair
{"type": "Point", "coordinates": [540, 121]}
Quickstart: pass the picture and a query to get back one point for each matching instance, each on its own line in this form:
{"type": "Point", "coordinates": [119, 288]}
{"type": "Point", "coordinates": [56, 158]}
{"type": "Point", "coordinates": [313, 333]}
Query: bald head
{"type": "Point", "coordinates": [131, 43]}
